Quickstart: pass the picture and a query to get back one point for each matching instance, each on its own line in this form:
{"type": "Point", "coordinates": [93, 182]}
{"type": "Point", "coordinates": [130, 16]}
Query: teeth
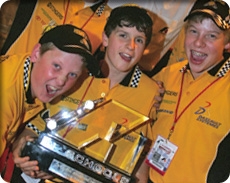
{"type": "Point", "coordinates": [198, 54]}
{"type": "Point", "coordinates": [51, 89]}
{"type": "Point", "coordinates": [51, 92]}
{"type": "Point", "coordinates": [126, 55]}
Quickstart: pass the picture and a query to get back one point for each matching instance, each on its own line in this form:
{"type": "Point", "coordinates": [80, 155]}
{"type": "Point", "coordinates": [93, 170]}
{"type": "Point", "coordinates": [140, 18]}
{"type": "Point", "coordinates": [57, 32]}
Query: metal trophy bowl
{"type": "Point", "coordinates": [94, 144]}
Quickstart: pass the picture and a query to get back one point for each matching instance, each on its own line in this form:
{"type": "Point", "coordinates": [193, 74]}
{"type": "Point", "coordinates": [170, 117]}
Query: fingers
{"type": "Point", "coordinates": [18, 147]}
{"type": "Point", "coordinates": [42, 175]}
{"type": "Point", "coordinates": [161, 89]}
{"type": "Point", "coordinates": [28, 167]}
{"type": "Point", "coordinates": [24, 163]}
{"type": "Point", "coordinates": [157, 102]}
{"type": "Point", "coordinates": [38, 175]}
{"type": "Point", "coordinates": [160, 84]}
{"type": "Point", "coordinates": [158, 98]}
{"type": "Point", "coordinates": [17, 152]}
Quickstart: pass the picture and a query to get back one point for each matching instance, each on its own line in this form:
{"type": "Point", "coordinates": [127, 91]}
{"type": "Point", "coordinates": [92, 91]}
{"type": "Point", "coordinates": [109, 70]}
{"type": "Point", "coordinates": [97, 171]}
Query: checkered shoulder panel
{"type": "Point", "coordinates": [136, 78]}
{"type": "Point", "coordinates": [34, 128]}
{"type": "Point", "coordinates": [224, 69]}
{"type": "Point", "coordinates": [26, 73]}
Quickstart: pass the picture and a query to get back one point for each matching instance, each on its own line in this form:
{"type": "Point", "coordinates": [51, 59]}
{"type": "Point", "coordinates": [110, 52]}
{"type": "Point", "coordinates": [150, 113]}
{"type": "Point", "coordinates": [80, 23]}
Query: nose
{"type": "Point", "coordinates": [200, 42]}
{"type": "Point", "coordinates": [131, 44]}
{"type": "Point", "coordinates": [61, 80]}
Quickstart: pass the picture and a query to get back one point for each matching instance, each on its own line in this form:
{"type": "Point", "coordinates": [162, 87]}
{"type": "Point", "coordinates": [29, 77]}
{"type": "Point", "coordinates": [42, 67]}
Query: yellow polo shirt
{"type": "Point", "coordinates": [50, 13]}
{"type": "Point", "coordinates": [16, 107]}
{"type": "Point", "coordinates": [201, 127]}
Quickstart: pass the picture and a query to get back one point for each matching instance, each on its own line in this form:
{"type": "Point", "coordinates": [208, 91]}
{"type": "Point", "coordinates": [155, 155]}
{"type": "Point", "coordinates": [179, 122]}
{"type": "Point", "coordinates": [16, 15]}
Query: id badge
{"type": "Point", "coordinates": [161, 155]}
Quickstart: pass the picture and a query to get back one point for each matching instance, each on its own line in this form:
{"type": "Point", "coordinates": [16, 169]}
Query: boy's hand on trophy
{"type": "Point", "coordinates": [24, 163]}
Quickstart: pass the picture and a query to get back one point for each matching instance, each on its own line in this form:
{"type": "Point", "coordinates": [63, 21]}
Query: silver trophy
{"type": "Point", "coordinates": [94, 143]}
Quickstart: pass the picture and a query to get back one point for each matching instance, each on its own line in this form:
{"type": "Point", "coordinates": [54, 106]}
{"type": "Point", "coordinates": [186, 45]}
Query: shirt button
{"type": "Point", "coordinates": [103, 94]}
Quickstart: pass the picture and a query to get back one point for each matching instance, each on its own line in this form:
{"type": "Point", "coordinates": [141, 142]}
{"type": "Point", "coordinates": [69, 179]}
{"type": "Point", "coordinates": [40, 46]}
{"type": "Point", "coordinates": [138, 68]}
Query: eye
{"type": "Point", "coordinates": [72, 75]}
{"type": "Point", "coordinates": [122, 35]}
{"type": "Point", "coordinates": [192, 31]}
{"type": "Point", "coordinates": [57, 66]}
{"type": "Point", "coordinates": [140, 40]}
{"type": "Point", "coordinates": [211, 36]}
{"type": "Point", "coordinates": [164, 30]}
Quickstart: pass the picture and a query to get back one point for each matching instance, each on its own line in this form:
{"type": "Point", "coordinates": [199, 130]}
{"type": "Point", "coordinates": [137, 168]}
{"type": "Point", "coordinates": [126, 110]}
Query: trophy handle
{"type": "Point", "coordinates": [65, 117]}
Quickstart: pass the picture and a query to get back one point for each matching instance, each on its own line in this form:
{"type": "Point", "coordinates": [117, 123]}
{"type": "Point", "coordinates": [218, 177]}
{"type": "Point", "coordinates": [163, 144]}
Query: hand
{"type": "Point", "coordinates": [158, 98]}
{"type": "Point", "coordinates": [30, 168]}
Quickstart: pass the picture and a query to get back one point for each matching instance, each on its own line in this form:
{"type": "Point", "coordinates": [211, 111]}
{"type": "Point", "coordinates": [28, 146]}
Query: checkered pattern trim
{"type": "Point", "coordinates": [34, 128]}
{"type": "Point", "coordinates": [26, 73]}
{"type": "Point", "coordinates": [100, 9]}
{"type": "Point", "coordinates": [224, 69]}
{"type": "Point", "coordinates": [222, 72]}
{"type": "Point", "coordinates": [136, 78]}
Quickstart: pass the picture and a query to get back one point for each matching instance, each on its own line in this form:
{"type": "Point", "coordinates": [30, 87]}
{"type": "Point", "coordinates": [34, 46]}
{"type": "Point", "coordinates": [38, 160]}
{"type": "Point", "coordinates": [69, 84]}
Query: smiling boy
{"type": "Point", "coordinates": [29, 80]}
{"type": "Point", "coordinates": [191, 133]}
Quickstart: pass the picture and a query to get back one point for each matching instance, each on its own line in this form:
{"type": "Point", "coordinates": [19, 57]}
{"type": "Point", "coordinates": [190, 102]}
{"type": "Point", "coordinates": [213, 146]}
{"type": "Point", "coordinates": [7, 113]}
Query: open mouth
{"type": "Point", "coordinates": [51, 90]}
{"type": "Point", "coordinates": [126, 57]}
{"type": "Point", "coordinates": [198, 56]}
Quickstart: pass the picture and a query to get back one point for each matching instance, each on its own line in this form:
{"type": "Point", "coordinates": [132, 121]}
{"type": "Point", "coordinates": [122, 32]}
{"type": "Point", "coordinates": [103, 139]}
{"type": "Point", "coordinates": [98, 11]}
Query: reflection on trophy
{"type": "Point", "coordinates": [105, 148]}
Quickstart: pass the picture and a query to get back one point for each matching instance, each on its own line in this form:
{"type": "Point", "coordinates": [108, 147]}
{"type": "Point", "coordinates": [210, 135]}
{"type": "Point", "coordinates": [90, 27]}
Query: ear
{"type": "Point", "coordinates": [105, 39]}
{"type": "Point", "coordinates": [35, 53]}
{"type": "Point", "coordinates": [227, 46]}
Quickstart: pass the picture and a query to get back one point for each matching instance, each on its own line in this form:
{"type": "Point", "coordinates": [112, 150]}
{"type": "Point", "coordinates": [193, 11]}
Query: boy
{"type": "Point", "coordinates": [51, 69]}
{"type": "Point", "coordinates": [191, 135]}
{"type": "Point", "coordinates": [126, 35]}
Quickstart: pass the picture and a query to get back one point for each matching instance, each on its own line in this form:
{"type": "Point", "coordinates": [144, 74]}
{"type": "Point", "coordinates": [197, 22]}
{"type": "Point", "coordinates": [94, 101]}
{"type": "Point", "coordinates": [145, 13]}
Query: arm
{"type": "Point", "coordinates": [142, 173]}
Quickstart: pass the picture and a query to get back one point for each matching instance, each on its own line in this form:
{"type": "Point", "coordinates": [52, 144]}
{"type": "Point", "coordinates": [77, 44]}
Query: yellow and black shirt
{"type": "Point", "coordinates": [36, 16]}
{"type": "Point", "coordinates": [17, 105]}
{"type": "Point", "coordinates": [202, 131]}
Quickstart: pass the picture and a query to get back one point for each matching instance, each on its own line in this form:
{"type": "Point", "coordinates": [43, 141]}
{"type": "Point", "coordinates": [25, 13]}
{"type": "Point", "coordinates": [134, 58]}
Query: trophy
{"type": "Point", "coordinates": [96, 143]}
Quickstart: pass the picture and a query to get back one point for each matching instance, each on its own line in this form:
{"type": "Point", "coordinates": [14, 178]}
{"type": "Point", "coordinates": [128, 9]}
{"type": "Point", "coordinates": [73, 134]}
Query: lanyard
{"type": "Point", "coordinates": [66, 11]}
{"type": "Point", "coordinates": [177, 116]}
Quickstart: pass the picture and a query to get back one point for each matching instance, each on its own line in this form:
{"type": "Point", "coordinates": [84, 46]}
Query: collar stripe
{"type": "Point", "coordinates": [26, 73]}
{"type": "Point", "coordinates": [136, 78]}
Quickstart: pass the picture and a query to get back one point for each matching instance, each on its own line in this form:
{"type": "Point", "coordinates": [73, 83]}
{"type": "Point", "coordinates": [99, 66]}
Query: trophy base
{"type": "Point", "coordinates": [69, 164]}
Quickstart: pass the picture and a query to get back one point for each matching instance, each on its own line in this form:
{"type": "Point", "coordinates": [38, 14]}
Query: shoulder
{"type": "Point", "coordinates": [175, 66]}
{"type": "Point", "coordinates": [12, 66]}
{"type": "Point", "coordinates": [147, 82]}
{"type": "Point", "coordinates": [170, 70]}
{"type": "Point", "coordinates": [12, 60]}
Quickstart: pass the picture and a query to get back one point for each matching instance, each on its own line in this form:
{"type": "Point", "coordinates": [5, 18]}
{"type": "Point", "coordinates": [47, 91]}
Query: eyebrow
{"type": "Point", "coordinates": [164, 30]}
